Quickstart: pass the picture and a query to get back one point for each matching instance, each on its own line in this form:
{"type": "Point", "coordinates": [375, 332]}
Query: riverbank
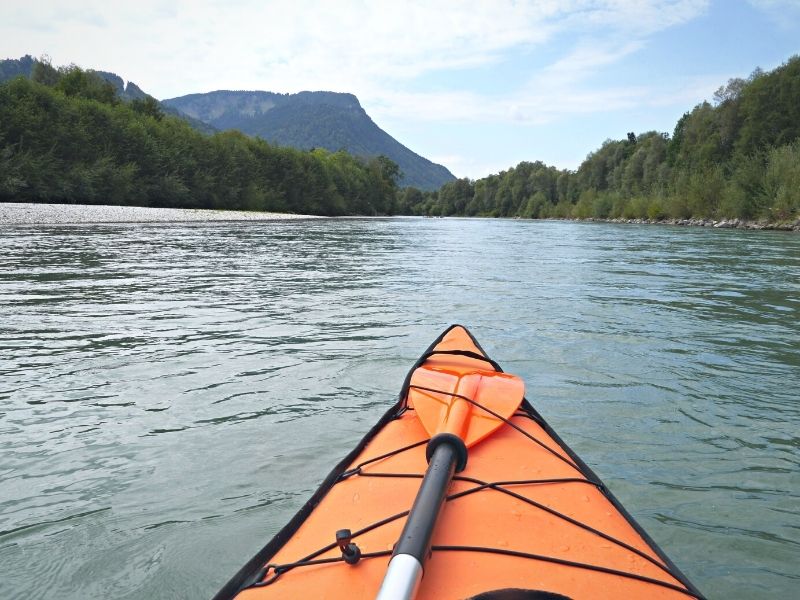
{"type": "Point", "coordinates": [17, 213]}
{"type": "Point", "coordinates": [722, 224]}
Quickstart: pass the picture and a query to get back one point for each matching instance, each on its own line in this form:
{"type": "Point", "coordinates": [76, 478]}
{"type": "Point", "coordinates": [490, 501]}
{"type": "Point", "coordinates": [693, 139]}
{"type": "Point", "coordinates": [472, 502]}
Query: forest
{"type": "Point", "coordinates": [736, 158]}
{"type": "Point", "coordinates": [67, 137]}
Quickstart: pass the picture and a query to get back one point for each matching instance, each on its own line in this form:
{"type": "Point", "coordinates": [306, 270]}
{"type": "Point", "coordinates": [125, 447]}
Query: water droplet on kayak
{"type": "Point", "coordinates": [502, 543]}
{"type": "Point", "coordinates": [565, 548]}
{"type": "Point", "coordinates": [356, 498]}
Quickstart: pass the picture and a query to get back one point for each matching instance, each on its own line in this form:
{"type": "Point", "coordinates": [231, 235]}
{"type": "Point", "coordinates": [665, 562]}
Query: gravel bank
{"type": "Point", "coordinates": [13, 213]}
{"type": "Point", "coordinates": [793, 225]}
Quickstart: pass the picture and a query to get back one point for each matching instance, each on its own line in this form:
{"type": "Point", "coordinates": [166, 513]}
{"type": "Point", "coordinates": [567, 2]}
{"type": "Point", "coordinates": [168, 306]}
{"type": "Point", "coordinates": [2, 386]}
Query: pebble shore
{"type": "Point", "coordinates": [723, 224]}
{"type": "Point", "coordinates": [14, 213]}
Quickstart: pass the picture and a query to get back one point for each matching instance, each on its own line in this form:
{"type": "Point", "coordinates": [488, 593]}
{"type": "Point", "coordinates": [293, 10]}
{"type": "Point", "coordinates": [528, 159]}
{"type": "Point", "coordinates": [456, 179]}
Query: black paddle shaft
{"type": "Point", "coordinates": [416, 537]}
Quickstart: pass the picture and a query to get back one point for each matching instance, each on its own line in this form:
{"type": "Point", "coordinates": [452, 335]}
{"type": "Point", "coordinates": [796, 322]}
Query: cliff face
{"type": "Point", "coordinates": [308, 120]}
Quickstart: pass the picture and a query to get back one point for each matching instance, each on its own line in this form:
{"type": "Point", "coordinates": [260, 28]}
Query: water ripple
{"type": "Point", "coordinates": [172, 394]}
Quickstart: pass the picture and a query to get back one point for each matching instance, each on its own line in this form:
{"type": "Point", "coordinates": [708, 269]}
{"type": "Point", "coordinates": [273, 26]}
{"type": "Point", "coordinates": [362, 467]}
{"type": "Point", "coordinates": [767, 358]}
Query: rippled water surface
{"type": "Point", "coordinates": [171, 394]}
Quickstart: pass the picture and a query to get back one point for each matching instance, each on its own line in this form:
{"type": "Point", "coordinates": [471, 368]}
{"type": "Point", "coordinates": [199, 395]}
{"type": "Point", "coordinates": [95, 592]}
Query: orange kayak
{"type": "Point", "coordinates": [521, 517]}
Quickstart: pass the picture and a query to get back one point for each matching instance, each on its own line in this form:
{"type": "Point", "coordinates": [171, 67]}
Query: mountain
{"type": "Point", "coordinates": [10, 68]}
{"type": "Point", "coordinates": [329, 120]}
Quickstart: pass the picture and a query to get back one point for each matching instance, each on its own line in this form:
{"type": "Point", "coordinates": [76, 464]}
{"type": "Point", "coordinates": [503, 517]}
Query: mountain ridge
{"type": "Point", "coordinates": [310, 119]}
{"type": "Point", "coordinates": [127, 91]}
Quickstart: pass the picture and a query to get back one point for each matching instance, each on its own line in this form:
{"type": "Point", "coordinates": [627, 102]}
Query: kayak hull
{"type": "Point", "coordinates": [525, 514]}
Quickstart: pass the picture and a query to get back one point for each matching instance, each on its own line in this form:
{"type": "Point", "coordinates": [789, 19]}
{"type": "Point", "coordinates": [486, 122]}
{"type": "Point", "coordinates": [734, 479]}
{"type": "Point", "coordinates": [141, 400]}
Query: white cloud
{"type": "Point", "coordinates": [784, 13]}
{"type": "Point", "coordinates": [177, 47]}
{"type": "Point", "coordinates": [522, 107]}
{"type": "Point", "coordinates": [775, 4]}
{"type": "Point", "coordinates": [532, 107]}
{"type": "Point", "coordinates": [588, 56]}
{"type": "Point", "coordinates": [642, 17]}
{"type": "Point", "coordinates": [461, 165]}
{"type": "Point", "coordinates": [557, 91]}
{"type": "Point", "coordinates": [278, 45]}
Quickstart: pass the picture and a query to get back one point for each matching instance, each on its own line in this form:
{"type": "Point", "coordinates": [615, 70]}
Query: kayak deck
{"type": "Point", "coordinates": [525, 514]}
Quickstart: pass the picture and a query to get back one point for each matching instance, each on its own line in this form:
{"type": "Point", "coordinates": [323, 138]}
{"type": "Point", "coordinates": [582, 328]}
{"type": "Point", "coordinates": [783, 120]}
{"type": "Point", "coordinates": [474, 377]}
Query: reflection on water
{"type": "Point", "coordinates": [171, 394]}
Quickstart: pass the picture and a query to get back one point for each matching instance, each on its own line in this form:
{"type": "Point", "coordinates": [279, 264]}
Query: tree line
{"type": "Point", "coordinates": [66, 137]}
{"type": "Point", "coordinates": [736, 158]}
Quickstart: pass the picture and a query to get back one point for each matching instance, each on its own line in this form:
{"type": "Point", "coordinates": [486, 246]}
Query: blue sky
{"type": "Point", "coordinates": [477, 86]}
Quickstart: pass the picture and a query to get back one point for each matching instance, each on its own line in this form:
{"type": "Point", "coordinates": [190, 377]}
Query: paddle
{"type": "Point", "coordinates": [454, 424]}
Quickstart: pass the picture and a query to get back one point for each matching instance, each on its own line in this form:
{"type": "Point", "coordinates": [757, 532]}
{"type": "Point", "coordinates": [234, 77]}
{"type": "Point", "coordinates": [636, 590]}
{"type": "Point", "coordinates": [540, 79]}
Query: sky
{"type": "Point", "coordinates": [477, 86]}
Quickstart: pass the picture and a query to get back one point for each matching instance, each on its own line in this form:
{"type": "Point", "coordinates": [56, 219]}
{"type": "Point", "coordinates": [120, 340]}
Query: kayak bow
{"type": "Point", "coordinates": [505, 509]}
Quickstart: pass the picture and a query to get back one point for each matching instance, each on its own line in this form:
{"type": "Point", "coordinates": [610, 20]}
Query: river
{"type": "Point", "coordinates": [172, 393]}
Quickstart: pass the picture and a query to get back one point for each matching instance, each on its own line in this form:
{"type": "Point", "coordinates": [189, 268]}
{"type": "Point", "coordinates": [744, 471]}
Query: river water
{"type": "Point", "coordinates": [170, 394]}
